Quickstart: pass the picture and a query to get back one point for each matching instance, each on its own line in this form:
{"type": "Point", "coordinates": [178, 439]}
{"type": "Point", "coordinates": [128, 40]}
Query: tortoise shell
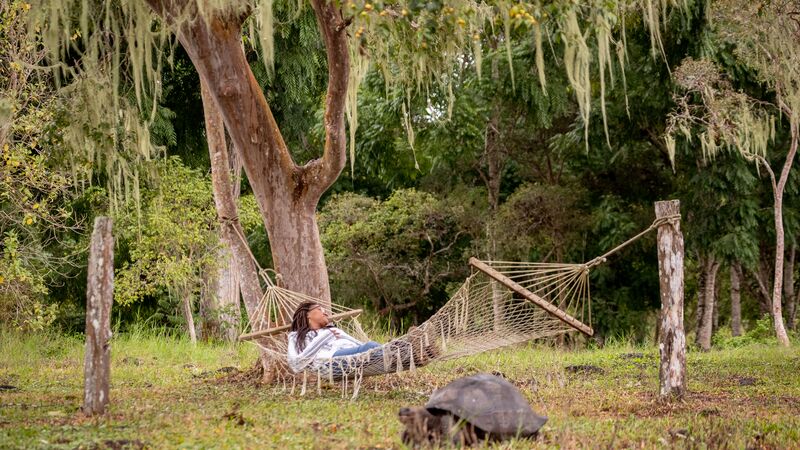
{"type": "Point", "coordinates": [490, 403]}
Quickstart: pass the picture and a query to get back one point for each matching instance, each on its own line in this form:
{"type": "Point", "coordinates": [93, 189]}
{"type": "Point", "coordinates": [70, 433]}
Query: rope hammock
{"type": "Point", "coordinates": [501, 303]}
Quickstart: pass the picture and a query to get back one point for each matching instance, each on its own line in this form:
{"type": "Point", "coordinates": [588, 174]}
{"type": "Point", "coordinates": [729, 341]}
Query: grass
{"type": "Point", "coordinates": [167, 393]}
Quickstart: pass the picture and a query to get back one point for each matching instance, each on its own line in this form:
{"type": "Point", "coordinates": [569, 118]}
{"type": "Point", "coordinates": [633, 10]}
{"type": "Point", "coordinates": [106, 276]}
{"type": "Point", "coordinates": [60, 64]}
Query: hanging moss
{"type": "Point", "coordinates": [415, 44]}
{"type": "Point", "coordinates": [726, 119]}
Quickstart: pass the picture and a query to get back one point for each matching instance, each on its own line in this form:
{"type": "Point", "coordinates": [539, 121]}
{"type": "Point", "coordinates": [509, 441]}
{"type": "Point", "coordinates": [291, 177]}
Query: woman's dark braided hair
{"type": "Point", "coordinates": [300, 322]}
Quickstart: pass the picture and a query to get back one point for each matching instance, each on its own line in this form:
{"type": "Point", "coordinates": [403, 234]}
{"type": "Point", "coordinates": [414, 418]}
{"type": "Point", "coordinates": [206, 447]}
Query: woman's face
{"type": "Point", "coordinates": [318, 318]}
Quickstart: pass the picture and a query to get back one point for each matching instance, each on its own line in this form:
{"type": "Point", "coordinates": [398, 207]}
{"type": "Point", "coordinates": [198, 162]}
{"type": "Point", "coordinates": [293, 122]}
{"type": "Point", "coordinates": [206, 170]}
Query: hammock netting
{"type": "Point", "coordinates": [500, 304]}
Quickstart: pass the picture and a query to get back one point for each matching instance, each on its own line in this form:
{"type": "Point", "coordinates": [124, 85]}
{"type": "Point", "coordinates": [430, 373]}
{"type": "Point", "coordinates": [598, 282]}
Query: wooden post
{"type": "Point", "coordinates": [99, 296]}
{"type": "Point", "coordinates": [672, 342]}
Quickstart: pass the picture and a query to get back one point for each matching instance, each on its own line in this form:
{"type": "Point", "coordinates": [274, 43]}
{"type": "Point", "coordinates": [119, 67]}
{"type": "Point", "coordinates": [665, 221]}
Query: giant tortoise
{"type": "Point", "coordinates": [469, 410]}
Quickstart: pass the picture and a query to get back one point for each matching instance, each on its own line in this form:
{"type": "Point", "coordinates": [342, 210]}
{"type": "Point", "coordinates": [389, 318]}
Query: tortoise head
{"type": "Point", "coordinates": [422, 427]}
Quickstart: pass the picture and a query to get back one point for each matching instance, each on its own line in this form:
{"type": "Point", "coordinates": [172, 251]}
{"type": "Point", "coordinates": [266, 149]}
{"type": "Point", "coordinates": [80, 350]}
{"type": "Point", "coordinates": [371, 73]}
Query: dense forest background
{"type": "Point", "coordinates": [500, 168]}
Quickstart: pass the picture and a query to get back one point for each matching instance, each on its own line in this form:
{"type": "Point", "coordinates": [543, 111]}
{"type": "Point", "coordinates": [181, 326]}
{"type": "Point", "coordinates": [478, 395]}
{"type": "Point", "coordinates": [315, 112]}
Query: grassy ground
{"type": "Point", "coordinates": [167, 393]}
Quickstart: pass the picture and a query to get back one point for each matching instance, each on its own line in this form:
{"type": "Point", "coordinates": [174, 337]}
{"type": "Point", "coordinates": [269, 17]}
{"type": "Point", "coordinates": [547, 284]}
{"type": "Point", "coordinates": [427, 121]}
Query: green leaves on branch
{"type": "Point", "coordinates": [37, 226]}
{"type": "Point", "coordinates": [174, 247]}
{"type": "Point", "coordinates": [541, 223]}
{"type": "Point", "coordinates": [399, 254]}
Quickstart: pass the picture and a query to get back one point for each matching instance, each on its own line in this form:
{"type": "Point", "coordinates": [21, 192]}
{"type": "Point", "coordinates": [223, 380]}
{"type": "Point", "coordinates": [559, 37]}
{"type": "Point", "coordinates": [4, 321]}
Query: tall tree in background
{"type": "Point", "coordinates": [723, 198]}
{"type": "Point", "coordinates": [766, 38]}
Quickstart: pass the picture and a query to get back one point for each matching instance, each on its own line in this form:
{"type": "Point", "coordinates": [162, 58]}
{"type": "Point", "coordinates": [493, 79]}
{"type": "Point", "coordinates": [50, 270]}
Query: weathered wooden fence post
{"type": "Point", "coordinates": [672, 339]}
{"type": "Point", "coordinates": [99, 296]}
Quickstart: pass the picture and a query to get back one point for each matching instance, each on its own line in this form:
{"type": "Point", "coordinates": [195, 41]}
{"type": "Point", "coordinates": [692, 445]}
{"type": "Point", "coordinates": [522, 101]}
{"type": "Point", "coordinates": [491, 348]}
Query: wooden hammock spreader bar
{"type": "Point", "coordinates": [547, 306]}
{"type": "Point", "coordinates": [282, 328]}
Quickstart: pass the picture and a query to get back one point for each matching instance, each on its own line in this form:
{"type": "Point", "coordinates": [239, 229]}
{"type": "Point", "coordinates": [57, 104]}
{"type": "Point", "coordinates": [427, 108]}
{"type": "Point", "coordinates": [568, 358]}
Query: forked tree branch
{"type": "Point", "coordinates": [332, 26]}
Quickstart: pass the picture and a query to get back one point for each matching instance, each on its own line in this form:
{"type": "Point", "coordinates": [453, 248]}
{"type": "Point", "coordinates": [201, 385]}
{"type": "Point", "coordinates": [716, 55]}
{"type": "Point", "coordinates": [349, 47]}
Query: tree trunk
{"type": "Point", "coordinates": [239, 274]}
{"type": "Point", "coordinates": [287, 194]}
{"type": "Point", "coordinates": [99, 297]}
{"type": "Point", "coordinates": [777, 310]}
{"type": "Point", "coordinates": [227, 293]}
{"type": "Point", "coordinates": [672, 338]}
{"type": "Point", "coordinates": [777, 190]}
{"type": "Point", "coordinates": [701, 295]}
{"type": "Point", "coordinates": [715, 315]}
{"type": "Point", "coordinates": [208, 310]}
{"type": "Point", "coordinates": [492, 179]}
{"type": "Point", "coordinates": [188, 315]}
{"type": "Point", "coordinates": [788, 287]}
{"type": "Point", "coordinates": [762, 281]}
{"type": "Point", "coordinates": [736, 300]}
{"type": "Point", "coordinates": [791, 312]}
{"type": "Point", "coordinates": [704, 333]}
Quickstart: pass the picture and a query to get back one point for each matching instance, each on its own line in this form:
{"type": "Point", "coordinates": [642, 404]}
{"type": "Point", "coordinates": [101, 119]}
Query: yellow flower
{"type": "Point", "coordinates": [35, 206]}
{"type": "Point", "coordinates": [28, 220]}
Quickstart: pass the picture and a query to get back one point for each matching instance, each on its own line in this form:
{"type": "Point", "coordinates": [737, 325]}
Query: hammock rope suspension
{"type": "Point", "coordinates": [501, 303]}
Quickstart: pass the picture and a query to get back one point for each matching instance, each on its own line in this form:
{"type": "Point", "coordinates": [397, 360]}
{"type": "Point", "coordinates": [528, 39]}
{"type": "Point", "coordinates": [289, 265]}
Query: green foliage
{"type": "Point", "coordinates": [726, 191]}
{"type": "Point", "coordinates": [762, 332]}
{"type": "Point", "coordinates": [22, 289]}
{"type": "Point", "coordinates": [38, 229]}
{"type": "Point", "coordinates": [399, 254]}
{"type": "Point", "coordinates": [450, 77]}
{"type": "Point", "coordinates": [542, 223]}
{"type": "Point", "coordinates": [175, 245]}
{"type": "Point", "coordinates": [171, 251]}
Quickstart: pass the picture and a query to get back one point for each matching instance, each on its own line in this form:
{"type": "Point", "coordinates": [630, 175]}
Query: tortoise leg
{"type": "Point", "coordinates": [422, 427]}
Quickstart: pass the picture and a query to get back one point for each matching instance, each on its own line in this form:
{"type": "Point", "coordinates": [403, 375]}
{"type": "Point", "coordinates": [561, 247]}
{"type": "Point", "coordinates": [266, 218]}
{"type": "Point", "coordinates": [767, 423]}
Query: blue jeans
{"type": "Point", "coordinates": [355, 350]}
{"type": "Point", "coordinates": [346, 368]}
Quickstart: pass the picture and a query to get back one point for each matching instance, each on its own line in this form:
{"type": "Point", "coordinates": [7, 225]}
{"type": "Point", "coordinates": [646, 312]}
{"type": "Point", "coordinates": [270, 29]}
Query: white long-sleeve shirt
{"type": "Point", "coordinates": [320, 345]}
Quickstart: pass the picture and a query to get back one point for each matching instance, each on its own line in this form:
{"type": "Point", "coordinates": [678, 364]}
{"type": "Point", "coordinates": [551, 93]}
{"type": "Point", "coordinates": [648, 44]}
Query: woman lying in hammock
{"type": "Point", "coordinates": [314, 339]}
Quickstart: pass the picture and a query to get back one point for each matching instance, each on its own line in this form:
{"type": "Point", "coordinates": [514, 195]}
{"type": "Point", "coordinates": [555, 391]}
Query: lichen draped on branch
{"type": "Point", "coordinates": [414, 44]}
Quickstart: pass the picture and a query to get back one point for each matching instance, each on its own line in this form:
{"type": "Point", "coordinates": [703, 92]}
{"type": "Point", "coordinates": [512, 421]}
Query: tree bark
{"type": "Point", "coordinates": [672, 338]}
{"type": "Point", "coordinates": [763, 283]}
{"type": "Point", "coordinates": [99, 297]}
{"type": "Point", "coordinates": [287, 194]}
{"type": "Point", "coordinates": [186, 301]}
{"type": "Point", "coordinates": [209, 327]}
{"type": "Point", "coordinates": [777, 311]}
{"type": "Point", "coordinates": [240, 273]}
{"type": "Point", "coordinates": [701, 295]}
{"type": "Point", "coordinates": [704, 333]}
{"type": "Point", "coordinates": [492, 179]}
{"type": "Point", "coordinates": [715, 315]}
{"type": "Point", "coordinates": [736, 300]}
{"type": "Point", "coordinates": [225, 297]}
{"type": "Point", "coordinates": [788, 287]}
